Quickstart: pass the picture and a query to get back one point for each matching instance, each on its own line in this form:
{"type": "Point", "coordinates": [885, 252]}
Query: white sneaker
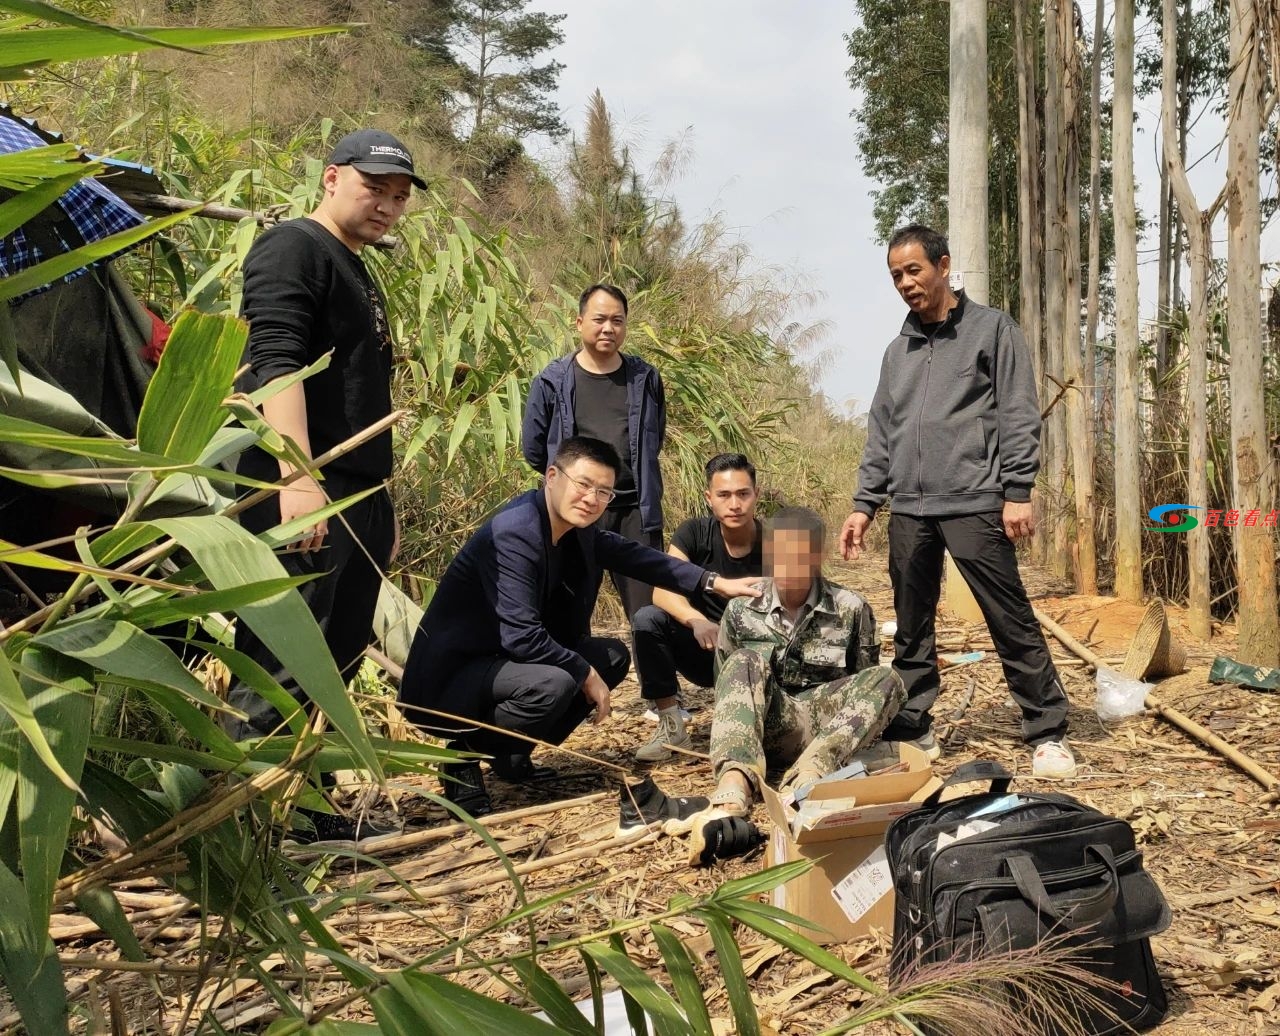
{"type": "Point", "coordinates": [652, 715]}
{"type": "Point", "coordinates": [1053, 759]}
{"type": "Point", "coordinates": [670, 732]}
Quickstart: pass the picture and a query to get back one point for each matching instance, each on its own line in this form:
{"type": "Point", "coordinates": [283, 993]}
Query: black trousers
{"type": "Point", "coordinates": [626, 522]}
{"type": "Point", "coordinates": [342, 599]}
{"type": "Point", "coordinates": [985, 558]}
{"type": "Point", "coordinates": [664, 648]}
{"type": "Point", "coordinates": [538, 701]}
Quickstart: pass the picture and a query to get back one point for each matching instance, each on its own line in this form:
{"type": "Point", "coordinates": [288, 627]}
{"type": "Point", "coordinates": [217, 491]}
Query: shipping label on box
{"type": "Point", "coordinates": [864, 886]}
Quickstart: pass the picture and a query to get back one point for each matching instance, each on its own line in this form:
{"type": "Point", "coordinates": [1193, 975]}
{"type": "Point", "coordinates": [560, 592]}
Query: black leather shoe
{"type": "Point", "coordinates": [645, 803]}
{"type": "Point", "coordinates": [463, 785]}
{"type": "Point", "coordinates": [516, 769]}
{"type": "Point", "coordinates": [336, 827]}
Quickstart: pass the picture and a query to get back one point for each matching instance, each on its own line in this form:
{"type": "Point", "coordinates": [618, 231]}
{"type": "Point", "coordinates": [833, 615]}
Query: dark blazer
{"type": "Point", "coordinates": [494, 599]}
{"type": "Point", "coordinates": [549, 420]}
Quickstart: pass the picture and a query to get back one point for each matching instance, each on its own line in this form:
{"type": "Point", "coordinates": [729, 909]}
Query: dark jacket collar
{"type": "Point", "coordinates": [912, 327]}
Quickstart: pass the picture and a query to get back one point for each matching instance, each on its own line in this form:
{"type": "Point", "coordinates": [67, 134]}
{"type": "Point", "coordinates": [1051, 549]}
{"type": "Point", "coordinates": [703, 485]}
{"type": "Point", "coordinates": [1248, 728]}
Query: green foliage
{"type": "Point", "coordinates": [494, 46]}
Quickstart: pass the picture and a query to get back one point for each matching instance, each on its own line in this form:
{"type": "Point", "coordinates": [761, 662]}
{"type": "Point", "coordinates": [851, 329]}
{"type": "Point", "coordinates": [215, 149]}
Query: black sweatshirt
{"type": "Point", "coordinates": [306, 293]}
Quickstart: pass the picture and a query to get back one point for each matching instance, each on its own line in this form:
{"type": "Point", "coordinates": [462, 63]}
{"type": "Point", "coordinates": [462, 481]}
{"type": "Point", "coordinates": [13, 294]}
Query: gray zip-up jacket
{"type": "Point", "coordinates": [954, 427]}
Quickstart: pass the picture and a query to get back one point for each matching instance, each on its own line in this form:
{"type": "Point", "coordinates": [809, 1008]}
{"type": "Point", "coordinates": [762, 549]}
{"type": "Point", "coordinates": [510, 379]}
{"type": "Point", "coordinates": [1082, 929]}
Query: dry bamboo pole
{"type": "Point", "coordinates": [156, 203]}
{"type": "Point", "coordinates": [1168, 713]}
{"type": "Point", "coordinates": [632, 839]}
{"type": "Point", "coordinates": [386, 845]}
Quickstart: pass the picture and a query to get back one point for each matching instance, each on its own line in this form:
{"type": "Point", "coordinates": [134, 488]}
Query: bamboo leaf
{"type": "Point", "coordinates": [655, 1001]}
{"type": "Point", "coordinates": [498, 421]}
{"type": "Point", "coordinates": [684, 978]}
{"type": "Point", "coordinates": [280, 535]}
{"type": "Point", "coordinates": [230, 557]}
{"type": "Point", "coordinates": [57, 689]}
{"type": "Point", "coordinates": [171, 609]}
{"type": "Point", "coordinates": [59, 266]}
{"type": "Point", "coordinates": [99, 905]}
{"type": "Point", "coordinates": [183, 405]}
{"type": "Point", "coordinates": [729, 960]}
{"type": "Point", "coordinates": [553, 1000]}
{"type": "Point", "coordinates": [34, 48]}
{"type": "Point", "coordinates": [29, 962]}
{"type": "Point", "coordinates": [14, 702]}
{"type": "Point", "coordinates": [123, 650]}
{"type": "Point", "coordinates": [448, 1008]}
{"type": "Point", "coordinates": [461, 425]}
{"type": "Point", "coordinates": [34, 200]}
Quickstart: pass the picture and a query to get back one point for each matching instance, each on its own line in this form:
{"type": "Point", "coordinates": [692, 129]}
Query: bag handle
{"type": "Point", "coordinates": [974, 770]}
{"type": "Point", "coordinates": [1078, 912]}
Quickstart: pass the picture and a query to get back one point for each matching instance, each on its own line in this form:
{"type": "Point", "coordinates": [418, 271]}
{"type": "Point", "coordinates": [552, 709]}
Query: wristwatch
{"type": "Point", "coordinates": [709, 581]}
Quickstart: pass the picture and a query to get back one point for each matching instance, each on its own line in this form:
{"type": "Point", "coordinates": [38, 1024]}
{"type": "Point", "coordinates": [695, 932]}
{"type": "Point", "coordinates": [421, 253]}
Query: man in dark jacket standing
{"type": "Point", "coordinates": [605, 394]}
{"type": "Point", "coordinates": [954, 438]}
{"type": "Point", "coordinates": [507, 638]}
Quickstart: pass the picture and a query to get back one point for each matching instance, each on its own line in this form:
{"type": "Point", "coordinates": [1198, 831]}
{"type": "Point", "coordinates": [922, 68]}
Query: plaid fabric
{"type": "Point", "coordinates": [86, 213]}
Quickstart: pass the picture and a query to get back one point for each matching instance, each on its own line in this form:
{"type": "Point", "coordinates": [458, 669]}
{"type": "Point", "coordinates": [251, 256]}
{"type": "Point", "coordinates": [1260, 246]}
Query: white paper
{"type": "Point", "coordinates": [967, 830]}
{"type": "Point", "coordinates": [862, 888]}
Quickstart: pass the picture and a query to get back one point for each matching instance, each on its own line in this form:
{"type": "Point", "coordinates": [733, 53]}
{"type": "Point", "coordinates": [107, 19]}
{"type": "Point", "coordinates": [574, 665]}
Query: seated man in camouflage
{"type": "Point", "coordinates": [798, 680]}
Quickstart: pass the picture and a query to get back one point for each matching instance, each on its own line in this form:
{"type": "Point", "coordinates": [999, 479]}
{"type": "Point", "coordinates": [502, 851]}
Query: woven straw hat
{"type": "Point", "coordinates": [1154, 652]}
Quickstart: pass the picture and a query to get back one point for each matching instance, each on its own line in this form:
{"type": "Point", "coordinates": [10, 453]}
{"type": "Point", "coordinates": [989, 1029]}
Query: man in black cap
{"type": "Point", "coordinates": [307, 293]}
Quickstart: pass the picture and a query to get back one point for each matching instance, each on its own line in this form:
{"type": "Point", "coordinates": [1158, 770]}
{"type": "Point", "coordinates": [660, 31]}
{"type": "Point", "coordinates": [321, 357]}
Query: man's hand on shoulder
{"type": "Point", "coordinates": [851, 533]}
{"type": "Point", "coordinates": [1019, 519]}
{"type": "Point", "coordinates": [597, 692]}
{"type": "Point", "coordinates": [743, 586]}
{"type": "Point", "coordinates": [705, 632]}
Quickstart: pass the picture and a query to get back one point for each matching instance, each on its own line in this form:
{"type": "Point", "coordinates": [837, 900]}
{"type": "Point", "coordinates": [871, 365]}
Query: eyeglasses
{"type": "Point", "coordinates": [600, 493]}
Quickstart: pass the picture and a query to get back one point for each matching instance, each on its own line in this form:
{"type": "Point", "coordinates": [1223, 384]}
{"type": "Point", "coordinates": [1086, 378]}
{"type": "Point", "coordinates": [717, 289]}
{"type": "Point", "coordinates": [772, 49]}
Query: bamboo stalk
{"type": "Point", "coordinates": [156, 203]}
{"type": "Point", "coordinates": [386, 845]}
{"type": "Point", "coordinates": [632, 839]}
{"type": "Point", "coordinates": [1171, 715]}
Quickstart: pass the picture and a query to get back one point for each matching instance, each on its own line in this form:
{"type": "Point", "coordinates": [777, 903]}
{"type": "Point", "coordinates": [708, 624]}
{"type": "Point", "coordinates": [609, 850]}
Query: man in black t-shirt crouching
{"type": "Point", "coordinates": [678, 634]}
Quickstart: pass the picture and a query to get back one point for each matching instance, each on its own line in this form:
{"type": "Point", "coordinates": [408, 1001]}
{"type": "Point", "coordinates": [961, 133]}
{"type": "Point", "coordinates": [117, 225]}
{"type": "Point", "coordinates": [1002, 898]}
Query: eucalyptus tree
{"type": "Point", "coordinates": [1253, 468]}
{"type": "Point", "coordinates": [1127, 465]}
{"type": "Point", "coordinates": [1199, 227]}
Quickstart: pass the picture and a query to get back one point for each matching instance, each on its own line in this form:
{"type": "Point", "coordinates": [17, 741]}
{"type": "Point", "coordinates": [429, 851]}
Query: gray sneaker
{"type": "Point", "coordinates": [671, 732]}
{"type": "Point", "coordinates": [928, 744]}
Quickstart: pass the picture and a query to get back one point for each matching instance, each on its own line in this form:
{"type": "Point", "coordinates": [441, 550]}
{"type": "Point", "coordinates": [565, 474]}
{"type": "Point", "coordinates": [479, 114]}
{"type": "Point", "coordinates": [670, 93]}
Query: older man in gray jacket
{"type": "Point", "coordinates": [953, 438]}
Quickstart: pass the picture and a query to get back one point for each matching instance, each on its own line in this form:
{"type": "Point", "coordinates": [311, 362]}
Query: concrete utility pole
{"type": "Point", "coordinates": [967, 139]}
{"type": "Point", "coordinates": [967, 148]}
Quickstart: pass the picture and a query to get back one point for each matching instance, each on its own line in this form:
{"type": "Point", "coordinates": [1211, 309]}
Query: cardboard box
{"type": "Point", "coordinates": [849, 889]}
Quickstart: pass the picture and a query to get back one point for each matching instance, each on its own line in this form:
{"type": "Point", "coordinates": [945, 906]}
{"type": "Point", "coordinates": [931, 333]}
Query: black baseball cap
{"type": "Point", "coordinates": [375, 152]}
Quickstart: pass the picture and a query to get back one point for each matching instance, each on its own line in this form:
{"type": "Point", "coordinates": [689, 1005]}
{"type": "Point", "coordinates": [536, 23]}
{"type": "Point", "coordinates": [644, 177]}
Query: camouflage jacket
{"type": "Point", "coordinates": [833, 636]}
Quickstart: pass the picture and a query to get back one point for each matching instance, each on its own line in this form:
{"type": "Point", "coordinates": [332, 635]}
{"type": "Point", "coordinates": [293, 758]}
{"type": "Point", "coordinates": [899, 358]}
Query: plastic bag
{"type": "Point", "coordinates": [1119, 696]}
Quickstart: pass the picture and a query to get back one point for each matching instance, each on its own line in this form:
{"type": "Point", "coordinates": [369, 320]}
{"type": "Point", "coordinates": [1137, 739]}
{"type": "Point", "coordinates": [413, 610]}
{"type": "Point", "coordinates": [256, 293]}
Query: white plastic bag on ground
{"type": "Point", "coordinates": [1119, 696]}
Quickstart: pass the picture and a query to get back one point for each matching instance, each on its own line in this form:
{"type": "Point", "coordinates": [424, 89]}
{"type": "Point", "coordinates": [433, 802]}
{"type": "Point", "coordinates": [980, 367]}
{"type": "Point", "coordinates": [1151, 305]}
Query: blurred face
{"type": "Point", "coordinates": [923, 286]}
{"type": "Point", "coordinates": [579, 492]}
{"type": "Point", "coordinates": [360, 206]}
{"type": "Point", "coordinates": [732, 496]}
{"type": "Point", "coordinates": [791, 559]}
{"type": "Point", "coordinates": [602, 325]}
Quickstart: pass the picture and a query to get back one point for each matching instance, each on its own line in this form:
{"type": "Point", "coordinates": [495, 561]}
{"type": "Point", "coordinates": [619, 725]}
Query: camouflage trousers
{"type": "Point", "coordinates": [813, 732]}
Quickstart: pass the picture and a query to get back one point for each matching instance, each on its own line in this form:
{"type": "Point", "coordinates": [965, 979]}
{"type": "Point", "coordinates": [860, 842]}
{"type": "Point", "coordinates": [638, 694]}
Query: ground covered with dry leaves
{"type": "Point", "coordinates": [1207, 833]}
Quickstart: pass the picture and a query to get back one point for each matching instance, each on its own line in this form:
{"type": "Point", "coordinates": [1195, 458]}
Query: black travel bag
{"type": "Point", "coordinates": [1051, 867]}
